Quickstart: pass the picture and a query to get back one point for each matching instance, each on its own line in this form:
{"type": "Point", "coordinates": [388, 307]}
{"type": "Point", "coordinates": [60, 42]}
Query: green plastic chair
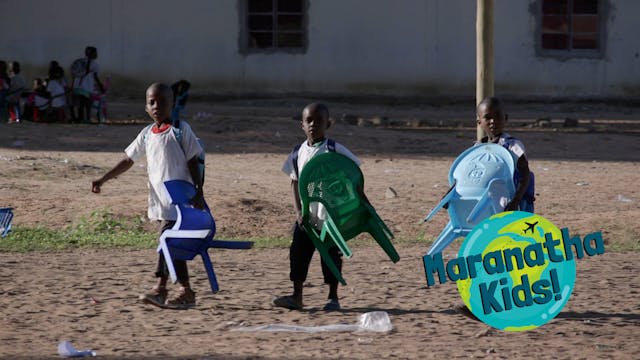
{"type": "Point", "coordinates": [336, 182]}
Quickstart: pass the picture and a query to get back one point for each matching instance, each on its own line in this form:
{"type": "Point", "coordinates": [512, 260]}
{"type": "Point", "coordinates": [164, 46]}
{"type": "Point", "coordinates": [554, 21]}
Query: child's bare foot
{"type": "Point", "coordinates": [157, 296]}
{"type": "Point", "coordinates": [287, 302]}
{"type": "Point", "coordinates": [185, 299]}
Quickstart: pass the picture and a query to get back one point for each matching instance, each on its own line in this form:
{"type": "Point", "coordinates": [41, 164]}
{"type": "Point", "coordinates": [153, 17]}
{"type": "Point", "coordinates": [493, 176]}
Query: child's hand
{"type": "Point", "coordinates": [198, 201]}
{"type": "Point", "coordinates": [95, 186]}
{"type": "Point", "coordinates": [512, 206]}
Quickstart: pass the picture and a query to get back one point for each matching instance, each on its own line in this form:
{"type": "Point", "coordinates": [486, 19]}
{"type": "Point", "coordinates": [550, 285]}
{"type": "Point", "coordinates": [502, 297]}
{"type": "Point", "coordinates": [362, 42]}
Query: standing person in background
{"type": "Point", "coordinates": [5, 82]}
{"type": "Point", "coordinates": [17, 87]}
{"type": "Point", "coordinates": [85, 82]}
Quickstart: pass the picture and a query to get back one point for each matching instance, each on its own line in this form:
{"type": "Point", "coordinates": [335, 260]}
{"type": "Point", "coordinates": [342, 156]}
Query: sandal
{"type": "Point", "coordinates": [185, 299]}
{"type": "Point", "coordinates": [287, 302]}
{"type": "Point", "coordinates": [156, 297]}
{"type": "Point", "coordinates": [332, 305]}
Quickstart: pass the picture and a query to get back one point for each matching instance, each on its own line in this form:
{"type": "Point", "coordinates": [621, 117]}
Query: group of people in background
{"type": "Point", "coordinates": [53, 99]}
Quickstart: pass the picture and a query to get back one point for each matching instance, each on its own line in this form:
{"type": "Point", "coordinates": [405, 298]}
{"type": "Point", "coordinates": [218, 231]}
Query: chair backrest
{"type": "Point", "coordinates": [477, 166]}
{"type": "Point", "coordinates": [189, 218]}
{"type": "Point", "coordinates": [333, 180]}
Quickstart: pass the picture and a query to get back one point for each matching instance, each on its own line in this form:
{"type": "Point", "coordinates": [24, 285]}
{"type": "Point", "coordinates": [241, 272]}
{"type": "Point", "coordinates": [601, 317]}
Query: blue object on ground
{"type": "Point", "coordinates": [6, 215]}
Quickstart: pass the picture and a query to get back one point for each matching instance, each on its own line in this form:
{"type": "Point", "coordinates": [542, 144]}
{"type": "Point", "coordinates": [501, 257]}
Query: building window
{"type": "Point", "coordinates": [571, 26]}
{"type": "Point", "coordinates": [275, 25]}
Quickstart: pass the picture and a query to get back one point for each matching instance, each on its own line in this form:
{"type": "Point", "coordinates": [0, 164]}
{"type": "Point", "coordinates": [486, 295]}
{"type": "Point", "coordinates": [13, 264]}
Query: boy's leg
{"type": "Point", "coordinates": [330, 279]}
{"type": "Point", "coordinates": [300, 254]}
{"type": "Point", "coordinates": [185, 297]}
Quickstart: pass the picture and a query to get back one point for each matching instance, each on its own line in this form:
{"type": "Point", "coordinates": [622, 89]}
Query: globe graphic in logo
{"type": "Point", "coordinates": [524, 293]}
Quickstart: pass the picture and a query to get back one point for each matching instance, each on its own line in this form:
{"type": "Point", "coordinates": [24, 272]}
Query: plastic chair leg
{"type": "Point", "coordinates": [330, 228]}
{"type": "Point", "coordinates": [213, 281]}
{"type": "Point", "coordinates": [384, 241]}
{"type": "Point", "coordinates": [228, 244]}
{"type": "Point", "coordinates": [445, 238]}
{"type": "Point", "coordinates": [323, 250]}
{"type": "Point", "coordinates": [167, 259]}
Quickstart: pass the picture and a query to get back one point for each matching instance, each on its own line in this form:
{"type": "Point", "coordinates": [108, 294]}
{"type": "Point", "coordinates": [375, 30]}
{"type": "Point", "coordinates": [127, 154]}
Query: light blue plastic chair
{"type": "Point", "coordinates": [6, 215]}
{"type": "Point", "coordinates": [192, 233]}
{"type": "Point", "coordinates": [481, 181]}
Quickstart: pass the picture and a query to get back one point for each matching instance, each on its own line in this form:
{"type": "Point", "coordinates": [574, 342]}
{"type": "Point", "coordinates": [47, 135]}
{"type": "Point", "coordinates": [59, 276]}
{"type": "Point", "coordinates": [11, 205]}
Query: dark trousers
{"type": "Point", "coordinates": [82, 111]}
{"type": "Point", "coordinates": [300, 255]}
{"type": "Point", "coordinates": [179, 265]}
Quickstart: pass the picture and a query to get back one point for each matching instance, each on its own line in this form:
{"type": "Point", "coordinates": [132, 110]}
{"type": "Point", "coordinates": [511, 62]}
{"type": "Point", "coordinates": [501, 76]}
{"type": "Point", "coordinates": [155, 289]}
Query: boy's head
{"type": "Point", "coordinates": [91, 52]}
{"type": "Point", "coordinates": [315, 121]}
{"type": "Point", "coordinates": [14, 67]}
{"type": "Point", "coordinates": [38, 83]}
{"type": "Point", "coordinates": [491, 117]}
{"type": "Point", "coordinates": [159, 102]}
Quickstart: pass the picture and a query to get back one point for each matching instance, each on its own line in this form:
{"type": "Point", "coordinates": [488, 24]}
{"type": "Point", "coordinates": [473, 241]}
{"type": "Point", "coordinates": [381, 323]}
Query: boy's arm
{"type": "Point", "coordinates": [100, 85]}
{"type": "Point", "coordinates": [525, 176]}
{"type": "Point", "coordinates": [198, 200]}
{"type": "Point", "coordinates": [296, 201]}
{"type": "Point", "coordinates": [124, 165]}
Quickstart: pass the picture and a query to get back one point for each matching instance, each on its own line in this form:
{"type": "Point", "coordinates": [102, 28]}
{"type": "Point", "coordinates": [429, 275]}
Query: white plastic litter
{"type": "Point", "coordinates": [377, 321]}
{"type": "Point", "coordinates": [623, 198]}
{"type": "Point", "coordinates": [66, 349]}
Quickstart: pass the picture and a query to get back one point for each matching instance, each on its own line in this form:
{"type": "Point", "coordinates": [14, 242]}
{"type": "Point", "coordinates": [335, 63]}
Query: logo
{"type": "Point", "coordinates": [516, 270]}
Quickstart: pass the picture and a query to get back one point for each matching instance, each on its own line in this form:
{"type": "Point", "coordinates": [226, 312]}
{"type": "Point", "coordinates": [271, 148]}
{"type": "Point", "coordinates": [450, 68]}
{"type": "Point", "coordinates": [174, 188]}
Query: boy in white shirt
{"type": "Point", "coordinates": [315, 121]}
{"type": "Point", "coordinates": [168, 158]}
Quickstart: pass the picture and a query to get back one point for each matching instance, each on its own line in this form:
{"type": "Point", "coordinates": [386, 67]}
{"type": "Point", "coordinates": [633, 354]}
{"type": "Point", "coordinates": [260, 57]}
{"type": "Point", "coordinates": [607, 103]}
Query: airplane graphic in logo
{"type": "Point", "coordinates": [530, 226]}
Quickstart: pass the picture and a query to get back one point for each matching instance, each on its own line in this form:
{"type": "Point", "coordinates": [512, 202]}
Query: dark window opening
{"type": "Point", "coordinates": [570, 25]}
{"type": "Point", "coordinates": [275, 24]}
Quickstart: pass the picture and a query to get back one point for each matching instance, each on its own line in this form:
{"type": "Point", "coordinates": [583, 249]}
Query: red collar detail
{"type": "Point", "coordinates": [157, 130]}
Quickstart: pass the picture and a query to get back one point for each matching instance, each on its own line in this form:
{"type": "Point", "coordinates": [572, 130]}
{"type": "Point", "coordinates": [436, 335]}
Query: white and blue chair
{"type": "Point", "coordinates": [192, 233]}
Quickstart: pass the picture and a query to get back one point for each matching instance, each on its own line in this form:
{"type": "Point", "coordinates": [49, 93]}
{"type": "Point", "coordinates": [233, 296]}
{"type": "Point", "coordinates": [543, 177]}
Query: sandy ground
{"type": "Point", "coordinates": [586, 181]}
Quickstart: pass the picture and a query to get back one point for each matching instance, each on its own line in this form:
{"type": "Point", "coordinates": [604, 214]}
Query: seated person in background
{"type": "Point", "coordinates": [57, 88]}
{"type": "Point", "coordinates": [38, 102]}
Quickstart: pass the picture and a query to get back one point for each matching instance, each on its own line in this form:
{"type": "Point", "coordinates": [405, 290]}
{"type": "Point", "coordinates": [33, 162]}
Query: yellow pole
{"type": "Point", "coordinates": [484, 53]}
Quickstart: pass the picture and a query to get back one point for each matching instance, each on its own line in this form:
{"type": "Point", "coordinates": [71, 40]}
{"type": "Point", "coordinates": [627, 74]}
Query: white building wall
{"type": "Point", "coordinates": [400, 47]}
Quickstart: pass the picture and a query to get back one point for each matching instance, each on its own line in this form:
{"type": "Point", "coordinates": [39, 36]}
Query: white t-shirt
{"type": "Point", "coordinates": [166, 160]}
{"type": "Point", "coordinates": [18, 85]}
{"type": "Point", "coordinates": [56, 89]}
{"type": "Point", "coordinates": [87, 82]}
{"type": "Point", "coordinates": [317, 212]}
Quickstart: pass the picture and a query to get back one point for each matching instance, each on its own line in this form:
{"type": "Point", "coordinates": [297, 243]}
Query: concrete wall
{"type": "Point", "coordinates": [357, 47]}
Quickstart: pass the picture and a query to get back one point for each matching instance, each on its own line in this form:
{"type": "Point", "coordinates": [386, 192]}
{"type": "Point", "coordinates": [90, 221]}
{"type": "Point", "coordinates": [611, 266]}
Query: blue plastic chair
{"type": "Point", "coordinates": [481, 180]}
{"type": "Point", "coordinates": [6, 215]}
{"type": "Point", "coordinates": [192, 233]}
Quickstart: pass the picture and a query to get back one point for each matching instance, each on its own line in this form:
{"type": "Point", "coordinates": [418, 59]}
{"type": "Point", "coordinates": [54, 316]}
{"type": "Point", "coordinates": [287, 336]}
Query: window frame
{"type": "Point", "coordinates": [598, 53]}
{"type": "Point", "coordinates": [243, 7]}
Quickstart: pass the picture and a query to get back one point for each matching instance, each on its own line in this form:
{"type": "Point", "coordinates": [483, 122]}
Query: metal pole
{"type": "Point", "coordinates": [484, 54]}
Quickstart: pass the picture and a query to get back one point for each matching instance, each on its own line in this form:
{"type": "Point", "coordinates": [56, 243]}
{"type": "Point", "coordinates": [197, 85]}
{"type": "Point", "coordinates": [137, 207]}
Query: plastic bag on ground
{"type": "Point", "coordinates": [377, 321]}
{"type": "Point", "coordinates": [66, 349]}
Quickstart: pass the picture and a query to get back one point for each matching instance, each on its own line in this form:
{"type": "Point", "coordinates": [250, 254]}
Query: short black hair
{"type": "Point", "coordinates": [491, 101]}
{"type": "Point", "coordinates": [14, 66]}
{"type": "Point", "coordinates": [320, 107]}
{"type": "Point", "coordinates": [162, 88]}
